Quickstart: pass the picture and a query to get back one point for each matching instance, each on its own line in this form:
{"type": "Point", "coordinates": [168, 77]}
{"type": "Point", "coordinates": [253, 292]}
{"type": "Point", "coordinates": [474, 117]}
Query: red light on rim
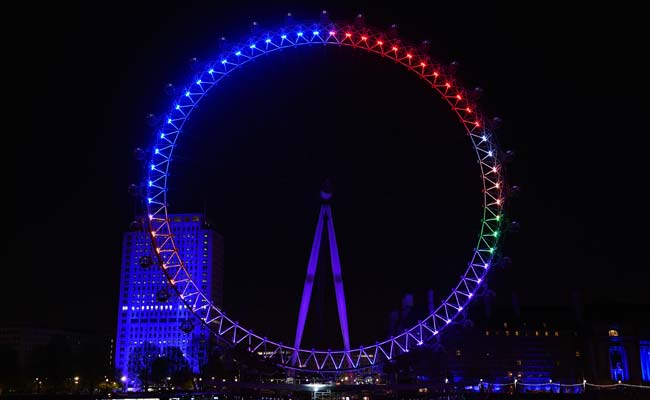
{"type": "Point", "coordinates": [395, 48]}
{"type": "Point", "coordinates": [435, 74]}
{"type": "Point", "coordinates": [477, 124]}
{"type": "Point", "coordinates": [408, 55]}
{"type": "Point", "coordinates": [459, 97]}
{"type": "Point", "coordinates": [469, 110]}
{"type": "Point", "coordinates": [423, 64]}
{"type": "Point", "coordinates": [364, 37]}
{"type": "Point", "coordinates": [447, 84]}
{"type": "Point", "coordinates": [348, 34]}
{"type": "Point", "coordinates": [379, 42]}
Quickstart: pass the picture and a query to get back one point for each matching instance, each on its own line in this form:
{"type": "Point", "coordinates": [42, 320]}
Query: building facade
{"type": "Point", "coordinates": [572, 343]}
{"type": "Point", "coordinates": [26, 338]}
{"type": "Point", "coordinates": [152, 322]}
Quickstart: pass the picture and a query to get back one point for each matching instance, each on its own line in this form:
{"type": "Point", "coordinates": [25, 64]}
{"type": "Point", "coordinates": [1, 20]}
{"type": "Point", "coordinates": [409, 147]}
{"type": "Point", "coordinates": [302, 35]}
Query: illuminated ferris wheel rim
{"type": "Point", "coordinates": [355, 36]}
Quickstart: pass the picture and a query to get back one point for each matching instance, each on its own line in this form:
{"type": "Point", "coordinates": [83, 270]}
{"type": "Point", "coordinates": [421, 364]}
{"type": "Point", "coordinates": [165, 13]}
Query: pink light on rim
{"type": "Point", "coordinates": [348, 34]}
{"type": "Point", "coordinates": [379, 42]}
{"type": "Point", "coordinates": [448, 84]}
{"type": "Point", "coordinates": [395, 48]}
{"type": "Point", "coordinates": [469, 110]}
{"type": "Point", "coordinates": [364, 37]}
{"type": "Point", "coordinates": [459, 97]}
{"type": "Point", "coordinates": [477, 124]}
{"type": "Point", "coordinates": [409, 56]}
{"type": "Point", "coordinates": [435, 74]}
{"type": "Point", "coordinates": [423, 64]}
{"type": "Point", "coordinates": [332, 33]}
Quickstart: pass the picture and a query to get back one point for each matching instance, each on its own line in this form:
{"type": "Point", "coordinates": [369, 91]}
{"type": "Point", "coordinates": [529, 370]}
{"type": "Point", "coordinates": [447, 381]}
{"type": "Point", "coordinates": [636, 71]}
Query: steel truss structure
{"type": "Point", "coordinates": [325, 217]}
{"type": "Point", "coordinates": [386, 46]}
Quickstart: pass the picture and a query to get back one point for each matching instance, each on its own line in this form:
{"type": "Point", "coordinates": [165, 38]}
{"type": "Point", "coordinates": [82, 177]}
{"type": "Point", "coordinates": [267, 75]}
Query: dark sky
{"type": "Point", "coordinates": [565, 81]}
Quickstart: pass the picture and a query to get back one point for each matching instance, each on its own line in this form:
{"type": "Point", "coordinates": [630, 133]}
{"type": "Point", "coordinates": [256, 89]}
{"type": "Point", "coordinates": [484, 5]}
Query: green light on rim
{"type": "Point", "coordinates": [498, 217]}
{"type": "Point", "coordinates": [495, 234]}
{"type": "Point", "coordinates": [491, 250]}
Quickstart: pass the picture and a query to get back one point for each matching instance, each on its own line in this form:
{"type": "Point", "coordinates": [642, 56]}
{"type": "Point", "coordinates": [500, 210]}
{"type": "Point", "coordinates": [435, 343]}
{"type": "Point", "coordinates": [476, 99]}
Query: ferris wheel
{"type": "Point", "coordinates": [384, 45]}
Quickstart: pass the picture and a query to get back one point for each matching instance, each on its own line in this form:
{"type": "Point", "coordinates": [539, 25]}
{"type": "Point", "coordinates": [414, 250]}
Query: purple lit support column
{"type": "Point", "coordinates": [309, 283]}
{"type": "Point", "coordinates": [325, 214]}
{"type": "Point", "coordinates": [338, 280]}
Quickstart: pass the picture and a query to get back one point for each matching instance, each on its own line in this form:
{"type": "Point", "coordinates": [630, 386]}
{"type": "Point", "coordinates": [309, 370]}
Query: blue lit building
{"type": "Point", "coordinates": [565, 344]}
{"type": "Point", "coordinates": [151, 320]}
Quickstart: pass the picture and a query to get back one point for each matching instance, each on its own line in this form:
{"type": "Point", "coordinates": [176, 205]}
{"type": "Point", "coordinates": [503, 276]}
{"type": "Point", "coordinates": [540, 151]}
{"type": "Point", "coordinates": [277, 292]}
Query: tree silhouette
{"type": "Point", "coordinates": [93, 364]}
{"type": "Point", "coordinates": [54, 362]}
{"type": "Point", "coordinates": [9, 368]}
{"type": "Point", "coordinates": [140, 360]}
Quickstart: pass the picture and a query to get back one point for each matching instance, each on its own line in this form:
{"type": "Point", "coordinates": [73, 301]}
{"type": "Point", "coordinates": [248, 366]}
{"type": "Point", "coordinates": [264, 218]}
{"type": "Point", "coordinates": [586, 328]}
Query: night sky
{"type": "Point", "coordinates": [565, 81]}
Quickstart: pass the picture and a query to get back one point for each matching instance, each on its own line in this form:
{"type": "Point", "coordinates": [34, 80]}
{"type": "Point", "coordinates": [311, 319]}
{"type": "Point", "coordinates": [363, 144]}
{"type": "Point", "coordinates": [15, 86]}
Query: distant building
{"type": "Point", "coordinates": [151, 319]}
{"type": "Point", "coordinates": [26, 338]}
{"type": "Point", "coordinates": [600, 343]}
{"type": "Point", "coordinates": [618, 343]}
{"type": "Point", "coordinates": [535, 346]}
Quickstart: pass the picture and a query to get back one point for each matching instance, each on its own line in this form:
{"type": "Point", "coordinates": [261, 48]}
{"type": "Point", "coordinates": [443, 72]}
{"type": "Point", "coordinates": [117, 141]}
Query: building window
{"type": "Point", "coordinates": [577, 354]}
{"type": "Point", "coordinates": [458, 353]}
{"type": "Point", "coordinates": [613, 332]}
{"type": "Point", "coordinates": [487, 333]}
{"type": "Point", "coordinates": [618, 363]}
{"type": "Point", "coordinates": [518, 362]}
{"type": "Point", "coordinates": [557, 333]}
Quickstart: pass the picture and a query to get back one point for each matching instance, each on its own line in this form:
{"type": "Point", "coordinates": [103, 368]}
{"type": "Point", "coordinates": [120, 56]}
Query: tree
{"type": "Point", "coordinates": [53, 362]}
{"type": "Point", "coordinates": [140, 360]}
{"type": "Point", "coordinates": [9, 368]}
{"type": "Point", "coordinates": [214, 368]}
{"type": "Point", "coordinates": [160, 370]}
{"type": "Point", "coordinates": [180, 371]}
{"type": "Point", "coordinates": [93, 364]}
